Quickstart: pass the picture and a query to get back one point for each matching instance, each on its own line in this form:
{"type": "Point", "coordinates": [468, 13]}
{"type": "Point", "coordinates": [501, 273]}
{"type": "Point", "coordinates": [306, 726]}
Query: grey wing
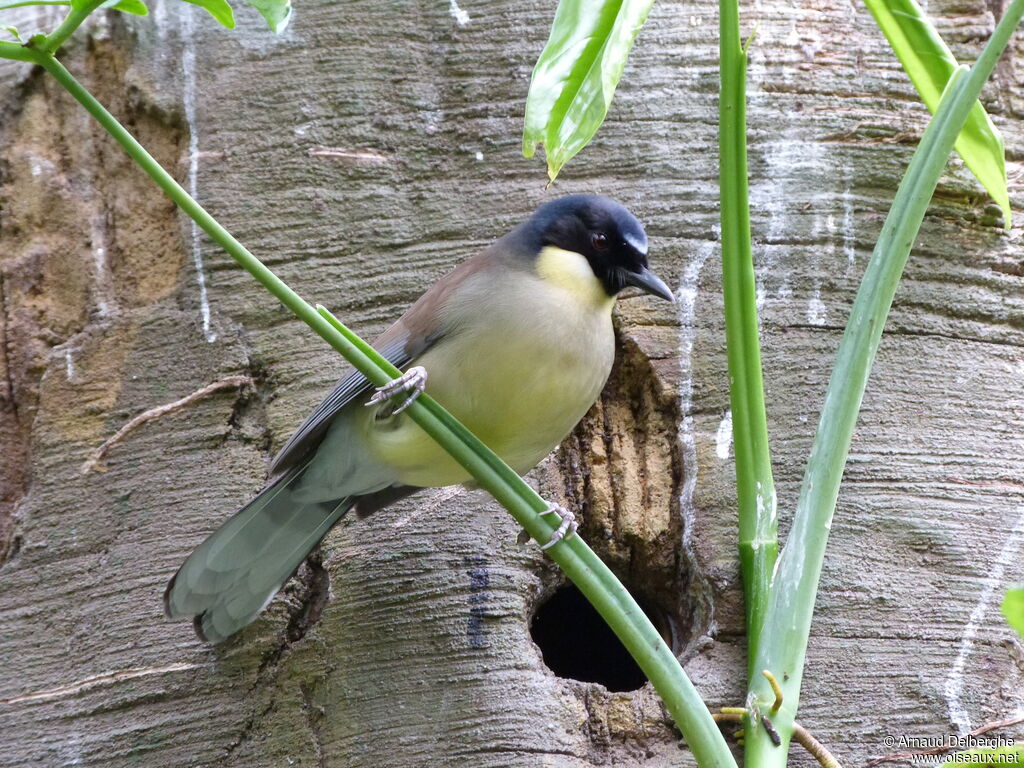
{"type": "Point", "coordinates": [308, 435]}
{"type": "Point", "coordinates": [425, 323]}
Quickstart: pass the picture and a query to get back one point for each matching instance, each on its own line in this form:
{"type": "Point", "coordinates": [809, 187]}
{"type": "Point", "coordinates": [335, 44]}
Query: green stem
{"type": "Point", "coordinates": [788, 621]}
{"type": "Point", "coordinates": [18, 52]}
{"type": "Point", "coordinates": [576, 559]}
{"type": "Point", "coordinates": [34, 2]}
{"type": "Point", "coordinates": [72, 21]}
{"type": "Point", "coordinates": [755, 487]}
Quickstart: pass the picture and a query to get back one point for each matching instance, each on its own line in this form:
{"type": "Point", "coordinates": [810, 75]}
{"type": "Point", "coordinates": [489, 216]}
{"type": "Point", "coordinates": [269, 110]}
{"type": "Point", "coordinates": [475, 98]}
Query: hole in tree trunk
{"type": "Point", "coordinates": [577, 644]}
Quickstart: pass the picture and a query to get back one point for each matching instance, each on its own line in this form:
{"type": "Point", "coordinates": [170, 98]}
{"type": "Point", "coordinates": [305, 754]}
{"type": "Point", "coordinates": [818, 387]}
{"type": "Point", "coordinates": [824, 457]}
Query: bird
{"type": "Point", "coordinates": [516, 342]}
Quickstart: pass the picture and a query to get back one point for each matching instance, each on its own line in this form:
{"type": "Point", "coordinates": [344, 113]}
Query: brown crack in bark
{"type": "Point", "coordinates": [622, 470]}
{"type": "Point", "coordinates": [83, 236]}
{"type": "Point", "coordinates": [625, 729]}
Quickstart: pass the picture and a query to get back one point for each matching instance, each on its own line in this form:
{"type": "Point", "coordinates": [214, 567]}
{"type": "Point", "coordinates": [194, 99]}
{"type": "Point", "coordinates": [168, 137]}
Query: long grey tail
{"type": "Point", "coordinates": [235, 572]}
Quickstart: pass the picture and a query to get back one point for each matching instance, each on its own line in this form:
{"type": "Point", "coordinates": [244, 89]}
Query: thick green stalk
{"type": "Point", "coordinates": [580, 564]}
{"type": "Point", "coordinates": [755, 487]}
{"type": "Point", "coordinates": [788, 622]}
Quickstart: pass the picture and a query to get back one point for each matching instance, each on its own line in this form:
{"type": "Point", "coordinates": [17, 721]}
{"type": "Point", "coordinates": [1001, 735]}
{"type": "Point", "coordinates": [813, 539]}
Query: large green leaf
{"type": "Point", "coordinates": [1013, 609]}
{"type": "Point", "coordinates": [219, 9]}
{"type": "Point", "coordinates": [576, 75]}
{"type": "Point", "coordinates": [929, 63]}
{"type": "Point", "coordinates": [276, 13]}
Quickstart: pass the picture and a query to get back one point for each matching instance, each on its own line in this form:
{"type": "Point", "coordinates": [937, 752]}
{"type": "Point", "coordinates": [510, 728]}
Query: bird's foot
{"type": "Point", "coordinates": [566, 528]}
{"type": "Point", "coordinates": [413, 381]}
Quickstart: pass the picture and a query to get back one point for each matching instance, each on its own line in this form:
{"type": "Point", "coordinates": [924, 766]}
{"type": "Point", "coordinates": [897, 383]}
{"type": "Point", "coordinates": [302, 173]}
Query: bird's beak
{"type": "Point", "coordinates": [648, 282]}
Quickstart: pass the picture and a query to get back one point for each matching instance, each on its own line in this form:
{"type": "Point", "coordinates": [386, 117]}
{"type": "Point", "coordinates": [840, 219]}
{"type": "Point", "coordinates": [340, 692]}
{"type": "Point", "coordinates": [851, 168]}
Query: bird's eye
{"type": "Point", "coordinates": [600, 241]}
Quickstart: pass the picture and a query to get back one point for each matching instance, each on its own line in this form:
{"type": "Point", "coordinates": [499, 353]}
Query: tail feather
{"type": "Point", "coordinates": [235, 572]}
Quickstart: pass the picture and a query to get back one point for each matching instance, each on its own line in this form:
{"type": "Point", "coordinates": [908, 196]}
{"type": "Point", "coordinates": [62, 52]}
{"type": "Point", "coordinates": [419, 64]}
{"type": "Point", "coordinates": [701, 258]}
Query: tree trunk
{"type": "Point", "coordinates": [365, 152]}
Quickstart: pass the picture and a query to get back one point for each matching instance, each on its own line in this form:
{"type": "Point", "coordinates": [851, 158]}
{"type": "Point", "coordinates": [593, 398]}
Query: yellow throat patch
{"type": "Point", "coordinates": [571, 272]}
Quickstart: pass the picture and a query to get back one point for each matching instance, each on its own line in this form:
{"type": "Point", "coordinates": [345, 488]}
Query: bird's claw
{"type": "Point", "coordinates": [566, 528]}
{"type": "Point", "coordinates": [413, 381]}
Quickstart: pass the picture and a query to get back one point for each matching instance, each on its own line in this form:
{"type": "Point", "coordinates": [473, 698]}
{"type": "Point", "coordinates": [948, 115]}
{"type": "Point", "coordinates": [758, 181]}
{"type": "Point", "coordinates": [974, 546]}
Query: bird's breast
{"type": "Point", "coordinates": [520, 375]}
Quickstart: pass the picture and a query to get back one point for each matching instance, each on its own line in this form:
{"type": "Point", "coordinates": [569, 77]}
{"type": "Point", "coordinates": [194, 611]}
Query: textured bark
{"type": "Point", "coordinates": [363, 154]}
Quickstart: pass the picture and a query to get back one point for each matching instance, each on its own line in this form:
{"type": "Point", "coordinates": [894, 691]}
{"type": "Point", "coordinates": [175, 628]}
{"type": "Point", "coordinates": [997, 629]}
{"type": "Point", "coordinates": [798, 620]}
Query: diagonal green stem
{"type": "Point", "coordinates": [788, 621]}
{"type": "Point", "coordinates": [576, 559]}
{"type": "Point", "coordinates": [755, 487]}
{"type": "Point", "coordinates": [27, 3]}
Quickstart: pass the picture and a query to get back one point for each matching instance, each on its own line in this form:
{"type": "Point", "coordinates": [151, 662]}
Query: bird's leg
{"type": "Point", "coordinates": [566, 528]}
{"type": "Point", "coordinates": [413, 381]}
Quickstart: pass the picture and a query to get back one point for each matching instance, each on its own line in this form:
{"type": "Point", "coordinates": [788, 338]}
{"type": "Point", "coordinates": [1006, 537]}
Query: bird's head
{"type": "Point", "coordinates": [607, 235]}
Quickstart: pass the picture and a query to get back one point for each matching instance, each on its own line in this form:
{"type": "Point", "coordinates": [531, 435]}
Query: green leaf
{"type": "Point", "coordinates": [576, 75]}
{"type": "Point", "coordinates": [1013, 609]}
{"type": "Point", "coordinates": [277, 13]}
{"type": "Point", "coordinates": [219, 9]}
{"type": "Point", "coordinates": [136, 7]}
{"type": "Point", "coordinates": [929, 63]}
{"type": "Point", "coordinates": [13, 31]}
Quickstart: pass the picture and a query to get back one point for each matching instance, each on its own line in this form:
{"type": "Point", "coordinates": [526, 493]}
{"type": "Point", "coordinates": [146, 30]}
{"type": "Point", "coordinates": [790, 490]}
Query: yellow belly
{"type": "Point", "coordinates": [519, 386]}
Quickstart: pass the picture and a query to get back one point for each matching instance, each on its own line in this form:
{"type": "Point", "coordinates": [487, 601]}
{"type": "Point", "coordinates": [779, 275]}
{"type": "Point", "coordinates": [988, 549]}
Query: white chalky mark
{"type": "Point", "coordinates": [479, 156]}
{"type": "Point", "coordinates": [849, 233]}
{"type": "Point", "coordinates": [104, 278]}
{"type": "Point", "coordinates": [789, 162]}
{"type": "Point", "coordinates": [687, 332]}
{"type": "Point", "coordinates": [188, 67]}
{"type": "Point", "coordinates": [439, 498]}
{"type": "Point", "coordinates": [460, 16]}
{"type": "Point", "coordinates": [723, 438]}
{"type": "Point", "coordinates": [771, 501]}
{"type": "Point", "coordinates": [816, 311]}
{"type": "Point", "coordinates": [69, 364]}
{"type": "Point", "coordinates": [955, 680]}
{"type": "Point", "coordinates": [92, 681]}
{"type": "Point", "coordinates": [350, 155]}
{"type": "Point", "coordinates": [780, 201]}
{"type": "Point", "coordinates": [39, 165]}
{"type": "Point", "coordinates": [70, 750]}
{"type": "Point", "coordinates": [158, 13]}
{"type": "Point", "coordinates": [793, 38]}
